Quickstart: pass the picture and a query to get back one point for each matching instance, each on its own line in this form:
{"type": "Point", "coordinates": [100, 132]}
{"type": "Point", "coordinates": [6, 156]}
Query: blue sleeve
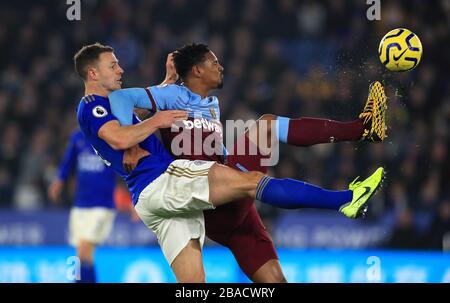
{"type": "Point", "coordinates": [169, 97]}
{"type": "Point", "coordinates": [124, 101]}
{"type": "Point", "coordinates": [154, 98]}
{"type": "Point", "coordinates": [95, 116]}
{"type": "Point", "coordinates": [69, 160]}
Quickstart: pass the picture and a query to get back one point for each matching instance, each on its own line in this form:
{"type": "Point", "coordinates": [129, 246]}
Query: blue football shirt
{"type": "Point", "coordinates": [93, 112]}
{"type": "Point", "coordinates": [95, 181]}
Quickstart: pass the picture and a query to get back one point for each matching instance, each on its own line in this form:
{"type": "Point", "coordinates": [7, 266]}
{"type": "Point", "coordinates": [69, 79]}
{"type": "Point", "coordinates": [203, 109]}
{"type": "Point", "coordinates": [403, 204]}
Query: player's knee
{"type": "Point", "coordinates": [269, 273]}
{"type": "Point", "coordinates": [85, 251]}
{"type": "Point", "coordinates": [253, 179]}
{"type": "Point", "coordinates": [188, 266]}
{"type": "Point", "coordinates": [268, 117]}
{"type": "Point", "coordinates": [277, 277]}
{"type": "Point", "coordinates": [271, 278]}
{"type": "Point", "coordinates": [192, 277]}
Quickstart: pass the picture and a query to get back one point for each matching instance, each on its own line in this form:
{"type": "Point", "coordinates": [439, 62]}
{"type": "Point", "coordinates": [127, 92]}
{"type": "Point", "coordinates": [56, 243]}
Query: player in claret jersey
{"type": "Point", "coordinates": [237, 225]}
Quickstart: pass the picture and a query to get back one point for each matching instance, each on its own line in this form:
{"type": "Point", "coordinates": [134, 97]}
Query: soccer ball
{"type": "Point", "coordinates": [400, 50]}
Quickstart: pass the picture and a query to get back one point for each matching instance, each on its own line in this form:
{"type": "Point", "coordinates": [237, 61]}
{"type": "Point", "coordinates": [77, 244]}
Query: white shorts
{"type": "Point", "coordinates": [90, 224]}
{"type": "Point", "coordinates": [172, 205]}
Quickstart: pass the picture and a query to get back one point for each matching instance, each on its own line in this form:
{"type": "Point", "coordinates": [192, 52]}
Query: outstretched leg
{"type": "Point", "coordinates": [308, 131]}
{"type": "Point", "coordinates": [85, 251]}
{"type": "Point", "coordinates": [188, 264]}
{"type": "Point", "coordinates": [370, 126]}
{"type": "Point", "coordinates": [227, 184]}
{"type": "Point", "coordinates": [270, 272]}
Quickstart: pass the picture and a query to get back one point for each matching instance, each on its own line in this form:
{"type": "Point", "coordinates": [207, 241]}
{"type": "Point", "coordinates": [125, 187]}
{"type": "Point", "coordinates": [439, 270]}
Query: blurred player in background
{"type": "Point", "coordinates": [238, 226]}
{"type": "Point", "coordinates": [93, 210]}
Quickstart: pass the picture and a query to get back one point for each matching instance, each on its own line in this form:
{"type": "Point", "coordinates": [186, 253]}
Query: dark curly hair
{"type": "Point", "coordinates": [187, 56]}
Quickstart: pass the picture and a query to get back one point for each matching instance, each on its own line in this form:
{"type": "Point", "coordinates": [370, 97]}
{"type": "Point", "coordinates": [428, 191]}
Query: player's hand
{"type": "Point", "coordinates": [171, 72]}
{"type": "Point", "coordinates": [132, 156]}
{"type": "Point", "coordinates": [165, 118]}
{"type": "Point", "coordinates": [54, 190]}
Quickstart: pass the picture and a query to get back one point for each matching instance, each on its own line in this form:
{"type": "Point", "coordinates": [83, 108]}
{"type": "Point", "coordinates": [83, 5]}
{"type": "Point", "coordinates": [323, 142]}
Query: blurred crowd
{"type": "Point", "coordinates": [286, 57]}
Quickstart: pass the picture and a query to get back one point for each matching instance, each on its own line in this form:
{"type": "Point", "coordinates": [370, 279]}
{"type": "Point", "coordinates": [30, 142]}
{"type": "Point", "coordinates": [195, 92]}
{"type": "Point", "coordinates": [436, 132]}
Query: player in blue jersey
{"type": "Point", "coordinates": [237, 225]}
{"type": "Point", "coordinates": [92, 213]}
{"type": "Point", "coordinates": [171, 195]}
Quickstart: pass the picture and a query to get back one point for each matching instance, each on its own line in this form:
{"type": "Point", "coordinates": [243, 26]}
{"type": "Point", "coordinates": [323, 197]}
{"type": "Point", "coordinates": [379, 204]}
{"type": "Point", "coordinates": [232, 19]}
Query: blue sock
{"type": "Point", "coordinates": [290, 193]}
{"type": "Point", "coordinates": [87, 273]}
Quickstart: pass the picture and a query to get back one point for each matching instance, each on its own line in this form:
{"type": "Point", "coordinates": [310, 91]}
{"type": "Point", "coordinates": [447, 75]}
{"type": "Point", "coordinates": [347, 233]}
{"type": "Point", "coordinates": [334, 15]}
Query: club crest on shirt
{"type": "Point", "coordinates": [99, 111]}
{"type": "Point", "coordinates": [213, 112]}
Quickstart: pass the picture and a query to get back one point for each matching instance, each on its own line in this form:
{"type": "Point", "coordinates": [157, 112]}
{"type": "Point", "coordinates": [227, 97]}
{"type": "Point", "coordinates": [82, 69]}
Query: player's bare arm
{"type": "Point", "coordinates": [123, 137]}
{"type": "Point", "coordinates": [55, 189]}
